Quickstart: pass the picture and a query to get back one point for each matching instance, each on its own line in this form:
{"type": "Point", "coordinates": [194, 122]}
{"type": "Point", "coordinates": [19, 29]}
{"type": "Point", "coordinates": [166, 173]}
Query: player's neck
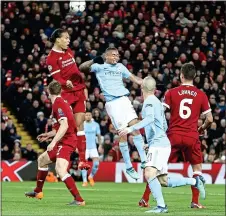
{"type": "Point", "coordinates": [57, 48]}
{"type": "Point", "coordinates": [187, 82]}
{"type": "Point", "coordinates": [53, 98]}
{"type": "Point", "coordinates": [146, 95]}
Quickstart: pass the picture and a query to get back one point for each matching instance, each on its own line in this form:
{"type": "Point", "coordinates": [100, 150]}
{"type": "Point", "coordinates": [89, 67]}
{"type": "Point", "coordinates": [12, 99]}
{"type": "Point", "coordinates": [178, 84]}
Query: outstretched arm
{"type": "Point", "coordinates": [146, 121]}
{"type": "Point", "coordinates": [136, 79]}
{"type": "Point", "coordinates": [128, 75]}
{"type": "Point", "coordinates": [85, 67]}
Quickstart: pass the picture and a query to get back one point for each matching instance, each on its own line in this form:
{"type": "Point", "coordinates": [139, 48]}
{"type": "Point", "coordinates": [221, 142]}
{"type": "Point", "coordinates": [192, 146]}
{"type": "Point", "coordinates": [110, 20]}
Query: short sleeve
{"type": "Point", "coordinates": [125, 72]}
{"type": "Point", "coordinates": [97, 129]}
{"type": "Point", "coordinates": [60, 111]}
{"type": "Point", "coordinates": [95, 68]}
{"type": "Point", "coordinates": [205, 108]}
{"type": "Point", "coordinates": [54, 69]}
{"type": "Point", "coordinates": [52, 64]}
{"type": "Point", "coordinates": [167, 100]}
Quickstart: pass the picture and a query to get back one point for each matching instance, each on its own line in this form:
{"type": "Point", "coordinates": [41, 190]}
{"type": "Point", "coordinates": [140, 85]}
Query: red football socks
{"type": "Point", "coordinates": [70, 183]}
{"type": "Point", "coordinates": [147, 193]}
{"type": "Point", "coordinates": [195, 192]}
{"type": "Point", "coordinates": [41, 177]}
{"type": "Point", "coordinates": [81, 146]}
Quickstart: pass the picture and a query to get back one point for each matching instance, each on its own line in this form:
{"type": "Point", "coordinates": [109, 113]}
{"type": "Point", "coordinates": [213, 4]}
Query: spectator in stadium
{"type": "Point", "coordinates": [6, 153]}
{"type": "Point", "coordinates": [114, 154]}
{"type": "Point", "coordinates": [41, 122]}
{"type": "Point", "coordinates": [29, 153]}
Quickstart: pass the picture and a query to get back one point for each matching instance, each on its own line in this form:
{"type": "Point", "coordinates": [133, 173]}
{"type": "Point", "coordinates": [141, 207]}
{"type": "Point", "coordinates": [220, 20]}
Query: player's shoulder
{"type": "Point", "coordinates": [121, 66]}
{"type": "Point", "coordinates": [175, 89]}
{"type": "Point", "coordinates": [98, 66]}
{"type": "Point", "coordinates": [69, 51]}
{"type": "Point", "coordinates": [149, 102]}
{"type": "Point", "coordinates": [52, 56]}
{"type": "Point", "coordinates": [59, 102]}
{"type": "Point", "coordinates": [200, 92]}
{"type": "Point", "coordinates": [95, 123]}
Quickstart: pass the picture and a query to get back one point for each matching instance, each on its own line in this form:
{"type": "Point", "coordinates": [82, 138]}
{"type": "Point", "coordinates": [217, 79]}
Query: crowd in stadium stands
{"type": "Point", "coordinates": [153, 38]}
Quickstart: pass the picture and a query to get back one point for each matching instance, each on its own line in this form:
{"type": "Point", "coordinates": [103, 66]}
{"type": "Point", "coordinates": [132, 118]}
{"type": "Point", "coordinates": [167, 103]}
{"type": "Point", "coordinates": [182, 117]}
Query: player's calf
{"type": "Point", "coordinates": [43, 161]}
{"type": "Point", "coordinates": [93, 171]}
{"type": "Point", "coordinates": [139, 143]}
{"type": "Point", "coordinates": [145, 198]}
{"type": "Point", "coordinates": [61, 169]}
{"type": "Point", "coordinates": [154, 185]}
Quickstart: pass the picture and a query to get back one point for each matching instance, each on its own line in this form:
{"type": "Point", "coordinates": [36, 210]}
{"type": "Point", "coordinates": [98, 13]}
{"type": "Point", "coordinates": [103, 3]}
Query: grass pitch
{"type": "Point", "coordinates": [108, 199]}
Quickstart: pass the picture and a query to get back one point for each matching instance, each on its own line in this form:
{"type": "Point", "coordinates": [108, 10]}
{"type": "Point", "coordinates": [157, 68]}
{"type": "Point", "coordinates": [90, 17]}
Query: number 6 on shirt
{"type": "Point", "coordinates": [185, 108]}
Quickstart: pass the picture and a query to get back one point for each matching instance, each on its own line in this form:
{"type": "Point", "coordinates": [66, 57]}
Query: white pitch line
{"type": "Point", "coordinates": [108, 190]}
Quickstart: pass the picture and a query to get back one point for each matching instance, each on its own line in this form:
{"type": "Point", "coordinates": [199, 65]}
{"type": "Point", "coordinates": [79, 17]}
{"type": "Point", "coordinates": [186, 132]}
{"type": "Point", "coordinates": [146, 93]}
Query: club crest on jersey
{"type": "Point", "coordinates": [148, 105]}
{"type": "Point", "coordinates": [60, 112]}
{"type": "Point", "coordinates": [50, 67]}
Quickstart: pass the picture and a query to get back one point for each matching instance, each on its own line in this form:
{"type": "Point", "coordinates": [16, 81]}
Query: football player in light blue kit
{"type": "Point", "coordinates": [118, 106]}
{"type": "Point", "coordinates": [92, 130]}
{"type": "Point", "coordinates": [159, 148]}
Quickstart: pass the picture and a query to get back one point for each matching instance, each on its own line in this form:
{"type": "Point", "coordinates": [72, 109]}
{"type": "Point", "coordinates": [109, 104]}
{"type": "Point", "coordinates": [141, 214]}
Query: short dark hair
{"type": "Point", "coordinates": [57, 34]}
{"type": "Point", "coordinates": [189, 71]}
{"type": "Point", "coordinates": [54, 88]}
{"type": "Point", "coordinates": [111, 49]}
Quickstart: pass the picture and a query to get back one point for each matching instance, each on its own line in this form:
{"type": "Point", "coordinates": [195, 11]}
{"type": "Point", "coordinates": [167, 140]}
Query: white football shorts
{"type": "Point", "coordinates": [92, 153]}
{"type": "Point", "coordinates": [158, 157]}
{"type": "Point", "coordinates": [121, 112]}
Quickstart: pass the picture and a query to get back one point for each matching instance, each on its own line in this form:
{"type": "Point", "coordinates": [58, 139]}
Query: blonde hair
{"type": "Point", "coordinates": [149, 84]}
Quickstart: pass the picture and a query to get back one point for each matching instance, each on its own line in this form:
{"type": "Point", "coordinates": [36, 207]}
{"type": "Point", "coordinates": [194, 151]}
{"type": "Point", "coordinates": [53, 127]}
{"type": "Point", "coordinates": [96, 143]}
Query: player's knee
{"type": "Point", "coordinates": [197, 168]}
{"type": "Point", "coordinates": [60, 170]}
{"type": "Point", "coordinates": [123, 139]}
{"type": "Point", "coordinates": [149, 172]}
{"type": "Point", "coordinates": [163, 181]}
{"type": "Point", "coordinates": [41, 161]}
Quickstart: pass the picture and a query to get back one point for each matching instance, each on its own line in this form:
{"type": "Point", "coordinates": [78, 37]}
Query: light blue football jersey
{"type": "Point", "coordinates": [92, 129]}
{"type": "Point", "coordinates": [110, 78]}
{"type": "Point", "coordinates": [154, 122]}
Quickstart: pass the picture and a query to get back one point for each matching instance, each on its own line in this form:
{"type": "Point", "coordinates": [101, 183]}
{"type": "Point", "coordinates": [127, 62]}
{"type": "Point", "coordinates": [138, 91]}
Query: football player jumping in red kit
{"type": "Point", "coordinates": [60, 148]}
{"type": "Point", "coordinates": [186, 103]}
{"type": "Point", "coordinates": [62, 67]}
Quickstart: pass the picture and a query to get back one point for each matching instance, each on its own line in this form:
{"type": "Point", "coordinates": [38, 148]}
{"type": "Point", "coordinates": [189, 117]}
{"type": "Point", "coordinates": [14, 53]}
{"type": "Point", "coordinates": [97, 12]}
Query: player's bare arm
{"type": "Point", "coordinates": [136, 79]}
{"type": "Point", "coordinates": [45, 136]}
{"type": "Point", "coordinates": [99, 139]}
{"type": "Point", "coordinates": [60, 133]}
{"type": "Point", "coordinates": [85, 66]}
{"type": "Point", "coordinates": [207, 123]}
{"type": "Point", "coordinates": [69, 84]}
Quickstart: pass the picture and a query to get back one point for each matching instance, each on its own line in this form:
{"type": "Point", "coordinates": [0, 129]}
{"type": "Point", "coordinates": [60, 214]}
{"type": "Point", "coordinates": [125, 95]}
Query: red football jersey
{"type": "Point", "coordinates": [186, 103]}
{"type": "Point", "coordinates": [62, 66]}
{"type": "Point", "coordinates": [60, 110]}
